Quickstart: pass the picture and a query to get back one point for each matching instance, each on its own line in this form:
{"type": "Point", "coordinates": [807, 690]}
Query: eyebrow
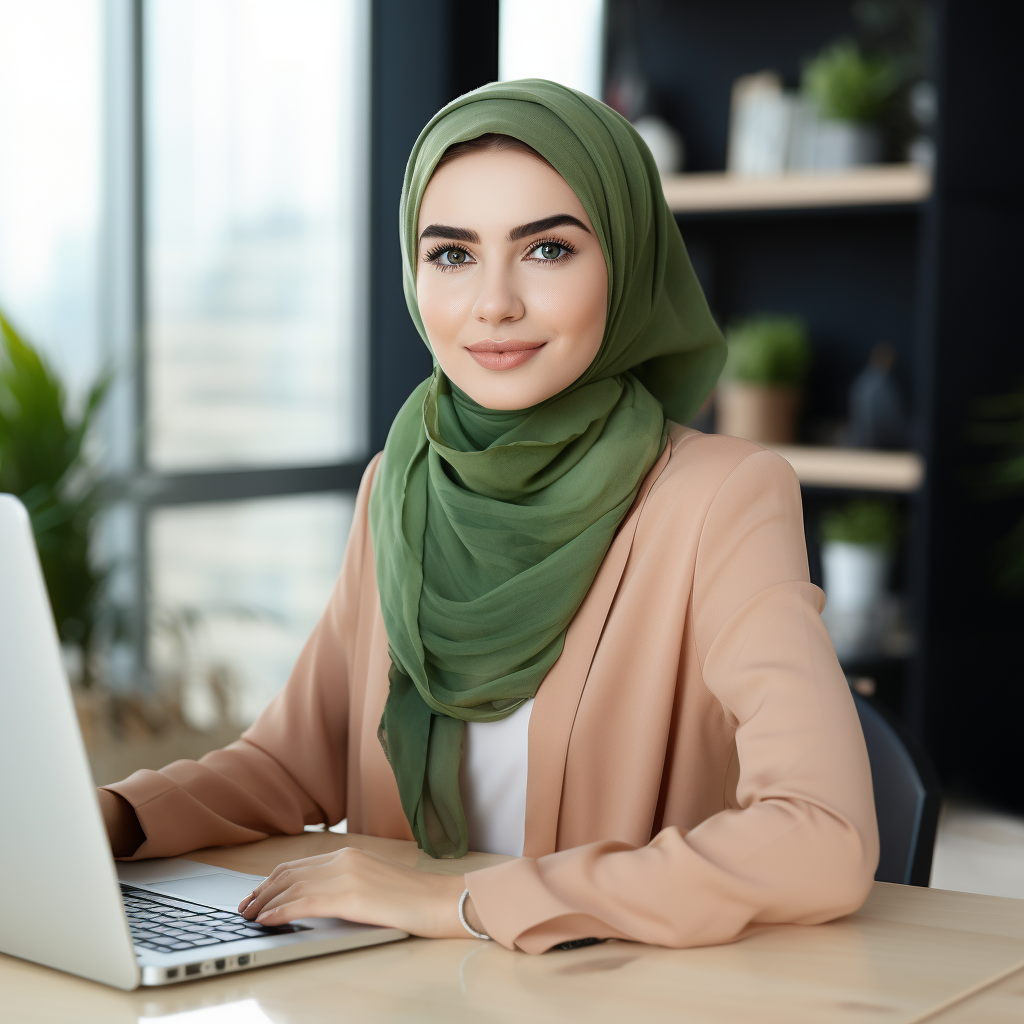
{"type": "Point", "coordinates": [444, 231]}
{"type": "Point", "coordinates": [535, 226]}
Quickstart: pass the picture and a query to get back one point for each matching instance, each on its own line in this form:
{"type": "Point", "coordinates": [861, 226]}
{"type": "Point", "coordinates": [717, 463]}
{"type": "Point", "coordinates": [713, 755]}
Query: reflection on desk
{"type": "Point", "coordinates": [907, 953]}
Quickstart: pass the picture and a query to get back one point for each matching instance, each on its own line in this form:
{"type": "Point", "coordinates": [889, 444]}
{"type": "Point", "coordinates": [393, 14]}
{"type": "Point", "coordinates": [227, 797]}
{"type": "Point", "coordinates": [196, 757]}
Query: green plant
{"type": "Point", "coordinates": [768, 349]}
{"type": "Point", "coordinates": [42, 461]}
{"type": "Point", "coordinates": [865, 521]}
{"type": "Point", "coordinates": [1000, 422]}
{"type": "Point", "coordinates": [847, 85]}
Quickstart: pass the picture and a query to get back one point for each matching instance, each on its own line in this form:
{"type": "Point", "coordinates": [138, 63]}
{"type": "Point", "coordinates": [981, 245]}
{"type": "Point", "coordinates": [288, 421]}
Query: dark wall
{"type": "Point", "coordinates": [968, 693]}
{"type": "Point", "coordinates": [425, 53]}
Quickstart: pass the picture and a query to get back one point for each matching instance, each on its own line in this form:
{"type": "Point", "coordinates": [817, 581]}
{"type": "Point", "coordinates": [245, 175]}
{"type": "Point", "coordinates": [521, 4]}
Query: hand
{"type": "Point", "coordinates": [123, 828]}
{"type": "Point", "coordinates": [362, 886]}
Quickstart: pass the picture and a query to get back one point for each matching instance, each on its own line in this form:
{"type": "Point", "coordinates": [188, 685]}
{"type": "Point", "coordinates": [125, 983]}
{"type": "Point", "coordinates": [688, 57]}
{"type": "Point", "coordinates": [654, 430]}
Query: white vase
{"type": "Point", "coordinates": [855, 577]}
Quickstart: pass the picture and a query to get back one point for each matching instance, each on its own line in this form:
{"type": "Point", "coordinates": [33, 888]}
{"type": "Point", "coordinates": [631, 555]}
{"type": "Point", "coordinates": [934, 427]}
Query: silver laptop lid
{"type": "Point", "coordinates": [62, 903]}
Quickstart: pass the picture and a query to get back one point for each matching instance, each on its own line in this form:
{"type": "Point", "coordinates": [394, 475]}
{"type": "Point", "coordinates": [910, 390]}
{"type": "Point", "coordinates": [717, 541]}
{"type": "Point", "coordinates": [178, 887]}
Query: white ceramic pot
{"type": "Point", "coordinates": [855, 577]}
{"type": "Point", "coordinates": [839, 145]}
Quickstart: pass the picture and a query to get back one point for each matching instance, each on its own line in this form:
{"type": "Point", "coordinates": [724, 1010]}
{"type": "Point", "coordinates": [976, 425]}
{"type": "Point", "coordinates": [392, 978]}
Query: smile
{"type": "Point", "coordinates": [504, 355]}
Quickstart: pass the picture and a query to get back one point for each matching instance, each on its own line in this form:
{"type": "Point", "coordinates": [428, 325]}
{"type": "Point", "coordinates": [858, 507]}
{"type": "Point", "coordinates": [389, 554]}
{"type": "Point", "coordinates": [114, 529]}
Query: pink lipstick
{"type": "Point", "coordinates": [504, 355]}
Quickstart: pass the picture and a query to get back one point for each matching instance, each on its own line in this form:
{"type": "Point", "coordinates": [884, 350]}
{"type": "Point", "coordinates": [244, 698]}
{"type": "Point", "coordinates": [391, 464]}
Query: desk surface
{"type": "Point", "coordinates": [908, 955]}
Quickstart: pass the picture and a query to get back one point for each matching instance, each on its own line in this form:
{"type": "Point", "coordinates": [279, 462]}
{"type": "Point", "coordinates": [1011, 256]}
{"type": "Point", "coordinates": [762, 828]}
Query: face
{"type": "Point", "coordinates": [511, 281]}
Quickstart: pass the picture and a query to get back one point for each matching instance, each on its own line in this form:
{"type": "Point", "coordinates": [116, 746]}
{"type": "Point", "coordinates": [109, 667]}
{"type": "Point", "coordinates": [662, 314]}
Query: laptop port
{"type": "Point", "coordinates": [219, 964]}
{"type": "Point", "coordinates": [193, 968]}
{"type": "Point", "coordinates": [172, 972]}
{"type": "Point", "coordinates": [243, 960]}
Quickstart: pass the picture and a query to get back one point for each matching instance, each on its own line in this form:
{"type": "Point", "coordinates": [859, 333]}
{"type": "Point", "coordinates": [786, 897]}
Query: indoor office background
{"type": "Point", "coordinates": [199, 199]}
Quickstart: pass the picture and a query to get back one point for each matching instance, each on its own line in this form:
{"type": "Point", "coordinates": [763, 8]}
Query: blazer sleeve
{"type": "Point", "coordinates": [290, 768]}
{"type": "Point", "coordinates": [802, 844]}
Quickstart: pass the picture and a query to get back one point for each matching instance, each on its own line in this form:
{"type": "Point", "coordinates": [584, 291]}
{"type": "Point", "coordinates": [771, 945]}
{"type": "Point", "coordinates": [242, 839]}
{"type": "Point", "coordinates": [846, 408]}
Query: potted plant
{"type": "Point", "coordinates": [857, 541]}
{"type": "Point", "coordinates": [999, 422]}
{"type": "Point", "coordinates": [43, 461]}
{"type": "Point", "coordinates": [759, 395]}
{"type": "Point", "coordinates": [845, 93]}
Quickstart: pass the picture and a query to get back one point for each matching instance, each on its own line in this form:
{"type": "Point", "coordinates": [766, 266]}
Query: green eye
{"type": "Point", "coordinates": [549, 250]}
{"type": "Point", "coordinates": [453, 257]}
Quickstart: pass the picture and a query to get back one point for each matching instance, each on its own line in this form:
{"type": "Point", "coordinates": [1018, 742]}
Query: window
{"type": "Point", "coordinates": [182, 191]}
{"type": "Point", "coordinates": [50, 167]}
{"type": "Point", "coordinates": [254, 234]}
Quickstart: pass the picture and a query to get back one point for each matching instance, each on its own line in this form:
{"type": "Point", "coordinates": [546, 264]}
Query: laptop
{"type": "Point", "coordinates": [66, 903]}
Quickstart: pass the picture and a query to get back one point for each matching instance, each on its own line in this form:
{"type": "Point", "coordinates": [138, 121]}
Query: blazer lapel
{"type": "Point", "coordinates": [554, 709]}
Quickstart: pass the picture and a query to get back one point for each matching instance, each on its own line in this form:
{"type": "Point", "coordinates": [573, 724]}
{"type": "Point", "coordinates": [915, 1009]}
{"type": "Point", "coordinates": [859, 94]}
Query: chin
{"type": "Point", "coordinates": [506, 396]}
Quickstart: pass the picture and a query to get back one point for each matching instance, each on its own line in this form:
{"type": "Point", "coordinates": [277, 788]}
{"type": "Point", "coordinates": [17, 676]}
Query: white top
{"type": "Point", "coordinates": [492, 780]}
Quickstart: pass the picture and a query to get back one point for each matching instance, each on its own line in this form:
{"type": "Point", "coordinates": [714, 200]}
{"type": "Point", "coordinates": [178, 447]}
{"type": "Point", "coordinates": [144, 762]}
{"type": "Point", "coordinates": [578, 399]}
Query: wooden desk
{"type": "Point", "coordinates": [908, 955]}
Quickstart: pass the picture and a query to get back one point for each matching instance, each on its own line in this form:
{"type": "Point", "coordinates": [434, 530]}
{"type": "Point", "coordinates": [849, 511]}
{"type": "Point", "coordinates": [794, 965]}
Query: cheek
{"type": "Point", "coordinates": [440, 310]}
{"type": "Point", "coordinates": [575, 305]}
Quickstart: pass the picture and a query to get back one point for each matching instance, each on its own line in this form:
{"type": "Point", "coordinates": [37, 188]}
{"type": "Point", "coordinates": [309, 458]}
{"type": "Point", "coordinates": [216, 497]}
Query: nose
{"type": "Point", "coordinates": [498, 300]}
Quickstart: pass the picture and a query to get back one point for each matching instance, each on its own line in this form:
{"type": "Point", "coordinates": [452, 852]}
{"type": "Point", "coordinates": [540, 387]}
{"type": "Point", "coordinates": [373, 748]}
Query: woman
{"type": "Point", "coordinates": [567, 628]}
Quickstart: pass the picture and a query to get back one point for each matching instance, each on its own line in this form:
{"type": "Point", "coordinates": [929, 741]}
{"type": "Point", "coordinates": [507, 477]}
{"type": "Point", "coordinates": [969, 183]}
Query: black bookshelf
{"type": "Point", "coordinates": [932, 279]}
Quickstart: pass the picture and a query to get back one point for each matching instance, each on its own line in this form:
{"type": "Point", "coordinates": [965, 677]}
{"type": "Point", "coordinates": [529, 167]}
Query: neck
{"type": "Point", "coordinates": [482, 426]}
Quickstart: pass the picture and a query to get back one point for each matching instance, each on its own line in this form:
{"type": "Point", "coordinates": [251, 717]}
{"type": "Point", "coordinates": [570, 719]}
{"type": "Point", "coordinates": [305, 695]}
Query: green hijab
{"type": "Point", "coordinates": [489, 527]}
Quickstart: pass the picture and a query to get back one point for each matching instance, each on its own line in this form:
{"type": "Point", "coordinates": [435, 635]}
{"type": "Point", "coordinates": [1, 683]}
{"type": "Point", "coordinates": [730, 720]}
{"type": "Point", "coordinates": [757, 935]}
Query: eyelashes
{"type": "Point", "coordinates": [434, 256]}
{"type": "Point", "coordinates": [465, 258]}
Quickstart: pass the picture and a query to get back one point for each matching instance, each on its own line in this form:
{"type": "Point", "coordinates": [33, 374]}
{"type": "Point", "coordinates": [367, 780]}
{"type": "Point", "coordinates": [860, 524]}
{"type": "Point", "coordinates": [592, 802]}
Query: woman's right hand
{"type": "Point", "coordinates": [123, 828]}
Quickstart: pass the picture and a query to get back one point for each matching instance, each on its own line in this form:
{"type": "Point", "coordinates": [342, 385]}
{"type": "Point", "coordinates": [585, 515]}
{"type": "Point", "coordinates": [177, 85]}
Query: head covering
{"type": "Point", "coordinates": [489, 527]}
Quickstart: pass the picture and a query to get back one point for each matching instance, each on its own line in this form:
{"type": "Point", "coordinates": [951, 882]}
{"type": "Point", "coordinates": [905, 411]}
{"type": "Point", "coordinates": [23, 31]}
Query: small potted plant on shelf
{"type": "Point", "coordinates": [759, 395]}
{"type": "Point", "coordinates": [846, 93]}
{"type": "Point", "coordinates": [857, 542]}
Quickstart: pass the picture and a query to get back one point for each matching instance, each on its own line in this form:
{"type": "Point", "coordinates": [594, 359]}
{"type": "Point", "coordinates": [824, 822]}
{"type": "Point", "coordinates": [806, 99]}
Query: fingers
{"type": "Point", "coordinates": [278, 880]}
{"type": "Point", "coordinates": [300, 892]}
{"type": "Point", "coordinates": [293, 910]}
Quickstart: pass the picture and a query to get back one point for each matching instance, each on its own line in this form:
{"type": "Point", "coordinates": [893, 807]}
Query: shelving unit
{"type": "Point", "coordinates": [717, 192]}
{"type": "Point", "coordinates": [855, 469]}
{"type": "Point", "coordinates": [840, 249]}
{"type": "Point", "coordinates": [884, 254]}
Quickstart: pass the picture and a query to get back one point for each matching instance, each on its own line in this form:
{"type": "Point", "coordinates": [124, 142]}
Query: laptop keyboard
{"type": "Point", "coordinates": [168, 925]}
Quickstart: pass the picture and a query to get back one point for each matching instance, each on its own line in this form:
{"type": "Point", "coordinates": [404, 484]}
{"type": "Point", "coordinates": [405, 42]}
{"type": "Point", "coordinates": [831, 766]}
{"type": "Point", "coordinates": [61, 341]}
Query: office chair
{"type": "Point", "coordinates": [907, 798]}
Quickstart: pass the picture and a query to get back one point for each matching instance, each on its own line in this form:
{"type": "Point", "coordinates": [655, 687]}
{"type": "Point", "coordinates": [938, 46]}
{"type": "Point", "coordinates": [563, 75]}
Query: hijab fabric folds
{"type": "Point", "coordinates": [489, 527]}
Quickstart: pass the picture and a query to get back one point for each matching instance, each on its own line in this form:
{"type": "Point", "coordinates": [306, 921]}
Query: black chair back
{"type": "Point", "coordinates": [907, 797]}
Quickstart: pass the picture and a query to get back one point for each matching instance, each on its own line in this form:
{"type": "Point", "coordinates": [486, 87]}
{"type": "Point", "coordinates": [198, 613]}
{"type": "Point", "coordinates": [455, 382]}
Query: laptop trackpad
{"type": "Point", "coordinates": [217, 889]}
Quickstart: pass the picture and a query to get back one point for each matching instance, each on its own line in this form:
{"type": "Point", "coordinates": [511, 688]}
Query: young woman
{"type": "Point", "coordinates": [566, 629]}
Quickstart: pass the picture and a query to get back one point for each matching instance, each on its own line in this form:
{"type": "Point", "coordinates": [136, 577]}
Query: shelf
{"type": "Point", "coordinates": [858, 469]}
{"type": "Point", "coordinates": [883, 185]}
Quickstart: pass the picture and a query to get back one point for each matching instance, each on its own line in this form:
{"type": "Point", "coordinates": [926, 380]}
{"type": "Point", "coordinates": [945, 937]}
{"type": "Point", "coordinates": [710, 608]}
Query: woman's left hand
{"type": "Point", "coordinates": [359, 886]}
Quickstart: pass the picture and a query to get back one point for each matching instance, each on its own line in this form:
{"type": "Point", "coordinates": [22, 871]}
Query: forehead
{"type": "Point", "coordinates": [498, 190]}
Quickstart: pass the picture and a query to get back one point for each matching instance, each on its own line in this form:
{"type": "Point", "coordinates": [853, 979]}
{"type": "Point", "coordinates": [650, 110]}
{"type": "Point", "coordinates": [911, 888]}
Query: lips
{"type": "Point", "coordinates": [504, 355]}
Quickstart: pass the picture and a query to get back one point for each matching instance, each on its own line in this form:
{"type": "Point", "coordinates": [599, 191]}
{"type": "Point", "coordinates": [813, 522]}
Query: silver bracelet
{"type": "Point", "coordinates": [465, 923]}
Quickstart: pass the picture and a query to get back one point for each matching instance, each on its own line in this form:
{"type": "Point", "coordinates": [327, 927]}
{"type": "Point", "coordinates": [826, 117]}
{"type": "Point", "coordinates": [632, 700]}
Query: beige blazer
{"type": "Point", "coordinates": [696, 764]}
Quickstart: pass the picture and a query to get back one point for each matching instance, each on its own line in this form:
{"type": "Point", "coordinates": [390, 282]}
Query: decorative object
{"type": "Point", "coordinates": [760, 126]}
{"type": "Point", "coordinates": [44, 461]}
{"type": "Point", "coordinates": [924, 109]}
{"type": "Point", "coordinates": [856, 552]}
{"type": "Point", "coordinates": [759, 395]}
{"type": "Point", "coordinates": [877, 416]}
{"type": "Point", "coordinates": [664, 142]}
